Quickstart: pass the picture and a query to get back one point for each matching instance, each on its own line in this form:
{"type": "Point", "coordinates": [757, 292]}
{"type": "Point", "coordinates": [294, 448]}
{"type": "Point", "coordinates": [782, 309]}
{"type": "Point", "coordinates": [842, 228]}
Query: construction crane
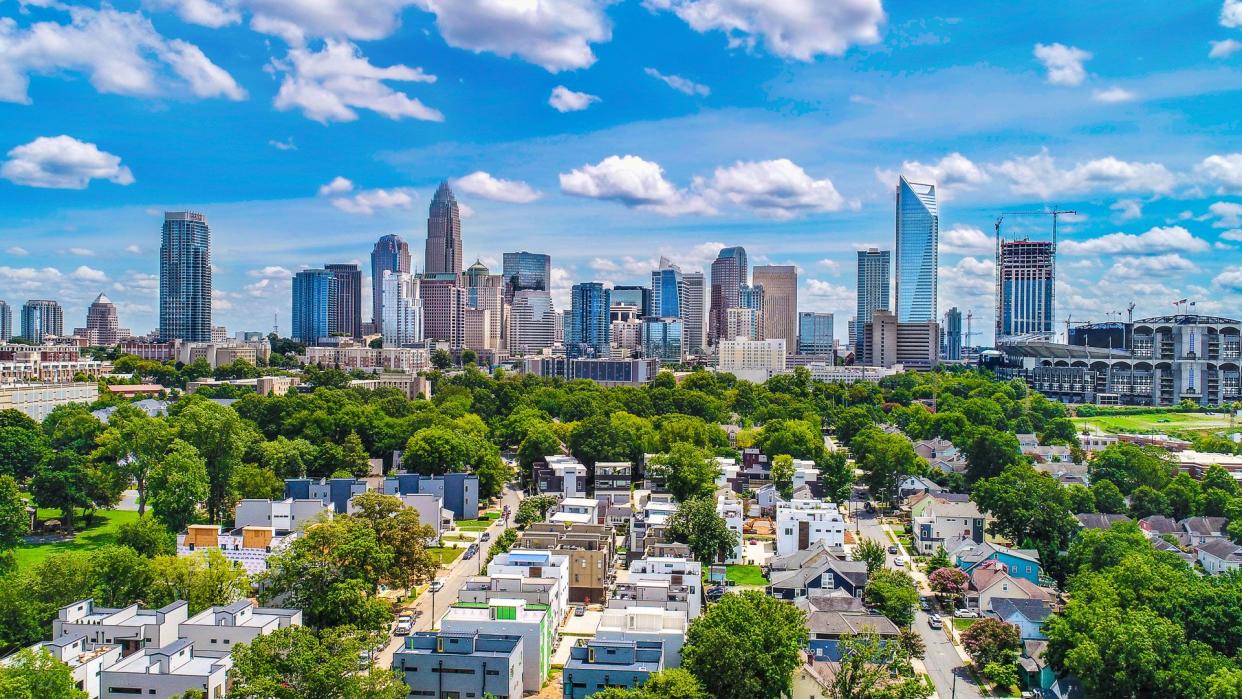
{"type": "Point", "coordinates": [970, 314]}
{"type": "Point", "coordinates": [1130, 313]}
{"type": "Point", "coordinates": [1055, 213]}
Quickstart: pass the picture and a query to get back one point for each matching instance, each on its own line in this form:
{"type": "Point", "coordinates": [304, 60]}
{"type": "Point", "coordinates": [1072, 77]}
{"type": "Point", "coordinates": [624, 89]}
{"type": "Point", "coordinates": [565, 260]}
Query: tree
{"type": "Point", "coordinates": [1130, 466]}
{"type": "Point", "coordinates": [798, 438]}
{"type": "Point", "coordinates": [298, 661]}
{"type": "Point", "coordinates": [849, 422]}
{"type": "Point", "coordinates": [135, 443]}
{"type": "Point", "coordinates": [1146, 501]}
{"type": "Point", "coordinates": [893, 594]}
{"type": "Point", "coordinates": [257, 482]}
{"type": "Point", "coordinates": [37, 675]}
{"type": "Point", "coordinates": [204, 579]}
{"type": "Point", "coordinates": [783, 474]}
{"type": "Point", "coordinates": [746, 646]}
{"type": "Point", "coordinates": [1217, 477]}
{"type": "Point", "coordinates": [616, 437]}
{"type": "Point", "coordinates": [1059, 431]}
{"type": "Point", "coordinates": [539, 443]}
{"type": "Point", "coordinates": [939, 560]}
{"type": "Point", "coordinates": [435, 451]}
{"type": "Point", "coordinates": [1108, 497]}
{"type": "Point", "coordinates": [14, 520]}
{"type": "Point", "coordinates": [493, 474]}
{"type": "Point", "coordinates": [949, 584]}
{"type": "Point", "coordinates": [871, 552]}
{"type": "Point", "coordinates": [1080, 498]}
{"type": "Point", "coordinates": [884, 459]}
{"type": "Point", "coordinates": [688, 471]}
{"type": "Point", "coordinates": [991, 641]}
{"type": "Point", "coordinates": [1027, 504]}
{"type": "Point", "coordinates": [533, 509]}
{"type": "Point", "coordinates": [148, 537]}
{"type": "Point", "coordinates": [356, 460]}
{"type": "Point", "coordinates": [287, 458]}
{"type": "Point", "coordinates": [220, 437]}
{"type": "Point", "coordinates": [61, 482]}
{"type": "Point", "coordinates": [1184, 496]}
{"type": "Point", "coordinates": [870, 668]}
{"type": "Point", "coordinates": [178, 484]}
{"type": "Point", "coordinates": [836, 474]}
{"type": "Point", "coordinates": [122, 575]}
{"type": "Point", "coordinates": [441, 359]}
{"type": "Point", "coordinates": [21, 450]}
{"type": "Point", "coordinates": [398, 528]}
{"type": "Point", "coordinates": [989, 452]}
{"type": "Point", "coordinates": [674, 683]}
{"type": "Point", "coordinates": [71, 427]}
{"type": "Point", "coordinates": [696, 524]}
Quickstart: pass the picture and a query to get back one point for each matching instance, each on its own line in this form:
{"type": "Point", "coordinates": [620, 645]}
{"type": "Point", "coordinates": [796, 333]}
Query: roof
{"type": "Point", "coordinates": [1159, 524]}
{"type": "Point", "coordinates": [1100, 521]}
{"type": "Point", "coordinates": [1032, 609]}
{"type": "Point", "coordinates": [1223, 549]}
{"type": "Point", "coordinates": [829, 603]}
{"type": "Point", "coordinates": [986, 576]}
{"type": "Point", "coordinates": [1186, 319]}
{"type": "Point", "coordinates": [977, 553]}
{"type": "Point", "coordinates": [1206, 526]}
{"type": "Point", "coordinates": [838, 623]}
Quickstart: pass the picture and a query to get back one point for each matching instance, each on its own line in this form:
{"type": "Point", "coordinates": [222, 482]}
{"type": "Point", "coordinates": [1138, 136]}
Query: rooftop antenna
{"type": "Point", "coordinates": [275, 326]}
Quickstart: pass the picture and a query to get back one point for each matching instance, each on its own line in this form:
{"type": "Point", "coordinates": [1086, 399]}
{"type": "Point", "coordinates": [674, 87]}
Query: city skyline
{"type": "Point", "coordinates": [1135, 141]}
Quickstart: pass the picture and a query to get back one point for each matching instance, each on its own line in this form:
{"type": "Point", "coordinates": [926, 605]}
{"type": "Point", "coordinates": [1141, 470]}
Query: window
{"type": "Point", "coordinates": [125, 690]}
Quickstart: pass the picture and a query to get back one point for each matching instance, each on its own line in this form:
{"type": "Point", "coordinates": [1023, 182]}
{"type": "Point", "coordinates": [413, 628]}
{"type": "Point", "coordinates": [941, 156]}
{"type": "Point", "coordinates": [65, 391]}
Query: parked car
{"type": "Point", "coordinates": [436, 585]}
{"type": "Point", "coordinates": [715, 593]}
{"type": "Point", "coordinates": [900, 561]}
{"type": "Point", "coordinates": [893, 550]}
{"type": "Point", "coordinates": [966, 614]}
{"type": "Point", "coordinates": [471, 551]}
{"type": "Point", "coordinates": [487, 536]}
{"type": "Point", "coordinates": [404, 626]}
{"type": "Point", "coordinates": [579, 609]}
{"type": "Point", "coordinates": [935, 621]}
{"type": "Point", "coordinates": [924, 604]}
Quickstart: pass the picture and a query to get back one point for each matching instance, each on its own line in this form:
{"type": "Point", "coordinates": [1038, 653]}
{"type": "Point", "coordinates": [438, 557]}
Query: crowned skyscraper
{"type": "Point", "coordinates": [729, 275]}
{"type": "Point", "coordinates": [443, 254]}
{"type": "Point", "coordinates": [185, 277]}
{"type": "Point", "coordinates": [918, 234]}
{"type": "Point", "coordinates": [390, 254]}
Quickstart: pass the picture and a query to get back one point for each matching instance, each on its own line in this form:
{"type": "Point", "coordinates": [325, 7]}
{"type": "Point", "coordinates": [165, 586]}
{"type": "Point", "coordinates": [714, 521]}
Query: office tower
{"type": "Point", "coordinates": [6, 322]}
{"type": "Point", "coordinates": [694, 314]}
{"type": "Point", "coordinates": [476, 274]}
{"type": "Point", "coordinates": [729, 273]}
{"type": "Point", "coordinates": [444, 304]}
{"type": "Point", "coordinates": [348, 298]}
{"type": "Point", "coordinates": [315, 313]}
{"type": "Point", "coordinates": [40, 318]}
{"type": "Point", "coordinates": [853, 335]}
{"type": "Point", "coordinates": [780, 302]}
{"type": "Point", "coordinates": [637, 296]}
{"type": "Point", "coordinates": [486, 292]}
{"type": "Point", "coordinates": [588, 329]}
{"type": "Point", "coordinates": [668, 290]}
{"type": "Point", "coordinates": [751, 297]}
{"type": "Point", "coordinates": [526, 270]}
{"type": "Point", "coordinates": [390, 254]}
{"type": "Point", "coordinates": [627, 330]}
{"type": "Point", "coordinates": [953, 334]}
{"type": "Point", "coordinates": [887, 342]}
{"type": "Point", "coordinates": [443, 233]}
{"type": "Point", "coordinates": [1025, 274]}
{"type": "Point", "coordinates": [403, 309]}
{"type": "Point", "coordinates": [102, 326]}
{"type": "Point", "coordinates": [185, 278]}
{"type": "Point", "coordinates": [815, 333]}
{"type": "Point", "coordinates": [663, 338]}
{"type": "Point", "coordinates": [918, 234]}
{"type": "Point", "coordinates": [743, 323]}
{"type": "Point", "coordinates": [873, 286]}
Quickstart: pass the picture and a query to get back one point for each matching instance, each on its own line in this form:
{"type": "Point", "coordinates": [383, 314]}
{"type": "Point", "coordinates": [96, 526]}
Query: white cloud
{"type": "Point", "coordinates": [336, 186]}
{"type": "Point", "coordinates": [951, 174]}
{"type": "Point", "coordinates": [825, 296]}
{"type": "Point", "coordinates": [1225, 49]}
{"type": "Point", "coordinates": [1224, 246]}
{"type": "Point", "coordinates": [634, 182]}
{"type": "Point", "coordinates": [1113, 95]}
{"type": "Point", "coordinates": [1229, 214]}
{"type": "Point", "coordinates": [62, 162]}
{"type": "Point", "coordinates": [286, 144]}
{"type": "Point", "coordinates": [1157, 239]}
{"type": "Point", "coordinates": [1064, 63]}
{"type": "Point", "coordinates": [133, 249]}
{"type": "Point", "coordinates": [554, 34]}
{"type": "Point", "coordinates": [680, 84]}
{"type": "Point", "coordinates": [482, 184]}
{"type": "Point", "coordinates": [88, 274]}
{"type": "Point", "coordinates": [564, 100]}
{"type": "Point", "coordinates": [1234, 235]}
{"type": "Point", "coordinates": [201, 12]}
{"type": "Point", "coordinates": [1131, 267]}
{"type": "Point", "coordinates": [1127, 209]}
{"type": "Point", "coordinates": [1230, 279]}
{"type": "Point", "coordinates": [829, 264]}
{"type": "Point", "coordinates": [1038, 175]}
{"type": "Point", "coordinates": [120, 52]}
{"type": "Point", "coordinates": [271, 272]}
{"type": "Point", "coordinates": [17, 251]}
{"type": "Point", "coordinates": [798, 29]}
{"type": "Point", "coordinates": [776, 188]}
{"type": "Point", "coordinates": [975, 267]}
{"type": "Point", "coordinates": [1226, 170]}
{"type": "Point", "coordinates": [219, 302]}
{"type": "Point", "coordinates": [367, 201]}
{"type": "Point", "coordinates": [296, 20]}
{"type": "Point", "coordinates": [82, 252]}
{"type": "Point", "coordinates": [329, 85]}
{"type": "Point", "coordinates": [1231, 14]}
{"type": "Point", "coordinates": [964, 240]}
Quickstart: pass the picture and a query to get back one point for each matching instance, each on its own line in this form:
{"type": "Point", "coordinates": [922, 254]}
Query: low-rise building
{"type": "Point", "coordinates": [647, 527]}
{"type": "Point", "coordinates": [666, 583]}
{"type": "Point", "coordinates": [131, 628]}
{"type": "Point", "coordinates": [560, 475]}
{"type": "Point", "coordinates": [281, 515]}
{"type": "Point", "coordinates": [650, 624]}
{"type": "Point", "coordinates": [1219, 556]}
{"type": "Point", "coordinates": [1028, 615]}
{"type": "Point", "coordinates": [730, 510]}
{"type": "Point", "coordinates": [37, 400]}
{"type": "Point", "coordinates": [613, 480]}
{"type": "Point", "coordinates": [407, 360]}
{"type": "Point", "coordinates": [531, 565]}
{"type": "Point", "coordinates": [590, 548]}
{"type": "Point", "coordinates": [215, 631]}
{"type": "Point", "coordinates": [458, 491]}
{"type": "Point", "coordinates": [801, 523]}
{"type": "Point", "coordinates": [815, 571]}
{"type": "Point", "coordinates": [448, 665]}
{"type": "Point", "coordinates": [510, 617]}
{"type": "Point", "coordinates": [166, 672]}
{"type": "Point", "coordinates": [1020, 563]}
{"type": "Point", "coordinates": [596, 665]}
{"type": "Point", "coordinates": [430, 508]}
{"type": "Point", "coordinates": [335, 492]}
{"type": "Point", "coordinates": [944, 520]}
{"type": "Point", "coordinates": [752, 360]}
{"type": "Point", "coordinates": [85, 659]}
{"type": "Point", "coordinates": [248, 546]}
{"type": "Point", "coordinates": [411, 385]}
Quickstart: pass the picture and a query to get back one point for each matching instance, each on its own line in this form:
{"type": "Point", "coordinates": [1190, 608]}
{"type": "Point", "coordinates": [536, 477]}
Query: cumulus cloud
{"type": "Point", "coordinates": [367, 201]}
{"type": "Point", "coordinates": [829, 264]}
{"type": "Point", "coordinates": [1127, 209]}
{"type": "Point", "coordinates": [798, 29]}
{"type": "Point", "coordinates": [1039, 175]}
{"type": "Point", "coordinates": [1228, 214]}
{"type": "Point", "coordinates": [1230, 279]}
{"type": "Point", "coordinates": [133, 249]}
{"type": "Point", "coordinates": [1063, 63]}
{"type": "Point", "coordinates": [119, 52]}
{"type": "Point", "coordinates": [62, 162]}
{"type": "Point", "coordinates": [824, 296]}
{"type": "Point", "coordinates": [329, 85]}
{"type": "Point", "coordinates": [965, 240]}
{"type": "Point", "coordinates": [1223, 170]}
{"type": "Point", "coordinates": [1231, 14]}
{"type": "Point", "coordinates": [1225, 48]}
{"type": "Point", "coordinates": [1234, 235]}
{"type": "Point", "coordinates": [680, 84]}
{"type": "Point", "coordinates": [775, 188]}
{"type": "Point", "coordinates": [271, 272]}
{"type": "Point", "coordinates": [554, 34]}
{"type": "Point", "coordinates": [564, 100]}
{"type": "Point", "coordinates": [634, 182]}
{"type": "Point", "coordinates": [951, 174]}
{"type": "Point", "coordinates": [1113, 95]}
{"type": "Point", "coordinates": [295, 20]}
{"type": "Point", "coordinates": [201, 12]}
{"type": "Point", "coordinates": [82, 252]}
{"type": "Point", "coordinates": [482, 184]}
{"type": "Point", "coordinates": [336, 186]}
{"type": "Point", "coordinates": [1131, 267]}
{"type": "Point", "coordinates": [17, 251]}
{"type": "Point", "coordinates": [287, 144]}
{"type": "Point", "coordinates": [88, 274]}
{"type": "Point", "coordinates": [1156, 240]}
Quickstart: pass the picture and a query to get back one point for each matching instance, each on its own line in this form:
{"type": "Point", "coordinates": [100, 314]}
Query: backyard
{"type": "Point", "coordinates": [745, 575]}
{"type": "Point", "coordinates": [478, 525]}
{"type": "Point", "coordinates": [101, 532]}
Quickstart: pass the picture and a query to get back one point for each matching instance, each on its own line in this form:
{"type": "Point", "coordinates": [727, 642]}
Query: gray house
{"type": "Point", "coordinates": [448, 665]}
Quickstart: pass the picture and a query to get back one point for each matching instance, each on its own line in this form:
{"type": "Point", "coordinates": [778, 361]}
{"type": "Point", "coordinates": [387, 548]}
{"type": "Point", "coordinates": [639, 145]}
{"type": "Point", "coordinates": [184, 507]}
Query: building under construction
{"type": "Point", "coordinates": [1025, 280]}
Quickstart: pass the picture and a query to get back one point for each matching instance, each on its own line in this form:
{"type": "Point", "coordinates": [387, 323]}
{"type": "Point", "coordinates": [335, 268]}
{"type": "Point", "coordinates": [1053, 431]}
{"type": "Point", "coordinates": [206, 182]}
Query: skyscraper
{"type": "Point", "coordinates": [443, 254]}
{"type": "Point", "coordinates": [444, 305]}
{"type": "Point", "coordinates": [403, 309]}
{"type": "Point", "coordinates": [729, 272]}
{"type": "Point", "coordinates": [532, 322]}
{"type": "Point", "coordinates": [6, 322]}
{"type": "Point", "coordinates": [953, 334]}
{"type": "Point", "coordinates": [40, 318]}
{"type": "Point", "coordinates": [918, 235]}
{"type": "Point", "coordinates": [185, 277]}
{"type": "Point", "coordinates": [694, 313]}
{"type": "Point", "coordinates": [815, 333]}
{"type": "Point", "coordinates": [780, 302]}
{"type": "Point", "coordinates": [873, 287]}
{"type": "Point", "coordinates": [102, 325]}
{"type": "Point", "coordinates": [390, 254]}
{"type": "Point", "coordinates": [1025, 274]}
{"type": "Point", "coordinates": [589, 327]}
{"type": "Point", "coordinates": [348, 298]}
{"type": "Point", "coordinates": [315, 297]}
{"type": "Point", "coordinates": [662, 338]}
{"type": "Point", "coordinates": [485, 292]}
{"type": "Point", "coordinates": [668, 290]}
{"type": "Point", "coordinates": [526, 270]}
{"type": "Point", "coordinates": [636, 296]}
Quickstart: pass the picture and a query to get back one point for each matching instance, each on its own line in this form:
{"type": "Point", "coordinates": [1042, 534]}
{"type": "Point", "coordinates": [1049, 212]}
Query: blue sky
{"type": "Point", "coordinates": [610, 133]}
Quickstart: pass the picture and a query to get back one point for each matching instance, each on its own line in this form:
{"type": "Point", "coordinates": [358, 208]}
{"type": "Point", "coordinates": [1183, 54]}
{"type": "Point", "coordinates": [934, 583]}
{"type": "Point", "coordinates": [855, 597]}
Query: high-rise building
{"type": "Point", "coordinates": [185, 278]}
{"type": "Point", "coordinates": [780, 302]}
{"type": "Point", "coordinates": [315, 313]}
{"type": "Point", "coordinates": [627, 327]}
{"type": "Point", "coordinates": [348, 298]}
{"type": "Point", "coordinates": [887, 342]}
{"type": "Point", "coordinates": [662, 338]}
{"type": "Point", "coordinates": [6, 322]}
{"type": "Point", "coordinates": [918, 235]}
{"type": "Point", "coordinates": [815, 333]}
{"type": "Point", "coordinates": [443, 233]}
{"type": "Point", "coordinates": [752, 297]}
{"type": "Point", "coordinates": [742, 323]}
{"type": "Point", "coordinates": [873, 289]}
{"type": "Point", "coordinates": [636, 296]}
{"type": "Point", "coordinates": [40, 318]}
{"type": "Point", "coordinates": [952, 334]}
{"type": "Point", "coordinates": [102, 325]}
{"type": "Point", "coordinates": [390, 254]}
{"type": "Point", "coordinates": [668, 290]}
{"type": "Point", "coordinates": [486, 292]}
{"type": "Point", "coordinates": [694, 315]}
{"type": "Point", "coordinates": [1026, 274]}
{"type": "Point", "coordinates": [526, 270]}
{"type": "Point", "coordinates": [532, 322]}
{"type": "Point", "coordinates": [403, 309]}
{"type": "Point", "coordinates": [444, 304]}
{"type": "Point", "coordinates": [729, 275]}
{"type": "Point", "coordinates": [589, 328]}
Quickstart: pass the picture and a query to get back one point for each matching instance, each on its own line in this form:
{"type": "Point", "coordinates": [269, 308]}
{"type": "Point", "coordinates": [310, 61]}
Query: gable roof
{"type": "Point", "coordinates": [985, 577]}
{"type": "Point", "coordinates": [1204, 526]}
{"type": "Point", "coordinates": [1159, 524]}
{"type": "Point", "coordinates": [975, 554]}
{"type": "Point", "coordinates": [838, 623]}
{"type": "Point", "coordinates": [1223, 549]}
{"type": "Point", "coordinates": [1099, 521]}
{"type": "Point", "coordinates": [1031, 609]}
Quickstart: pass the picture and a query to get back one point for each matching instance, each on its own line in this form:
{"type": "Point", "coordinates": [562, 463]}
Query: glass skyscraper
{"type": "Point", "coordinates": [443, 255]}
{"type": "Point", "coordinates": [662, 338]}
{"type": "Point", "coordinates": [589, 327]}
{"type": "Point", "coordinates": [348, 298]}
{"type": "Point", "coordinates": [636, 296]}
{"type": "Point", "coordinates": [315, 299]}
{"type": "Point", "coordinates": [729, 275]}
{"type": "Point", "coordinates": [185, 277]}
{"type": "Point", "coordinates": [6, 322]}
{"type": "Point", "coordinates": [1026, 274]}
{"type": "Point", "coordinates": [668, 291]}
{"type": "Point", "coordinates": [918, 235]}
{"type": "Point", "coordinates": [40, 318]}
{"type": "Point", "coordinates": [815, 333]}
{"type": "Point", "coordinates": [390, 254]}
{"type": "Point", "coordinates": [526, 270]}
{"type": "Point", "coordinates": [873, 285]}
{"type": "Point", "coordinates": [953, 334]}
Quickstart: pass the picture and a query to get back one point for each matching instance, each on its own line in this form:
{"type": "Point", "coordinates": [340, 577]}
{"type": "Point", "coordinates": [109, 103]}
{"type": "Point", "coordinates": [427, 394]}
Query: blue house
{"type": "Point", "coordinates": [454, 665]}
{"type": "Point", "coordinates": [1026, 614]}
{"type": "Point", "coordinates": [1021, 563]}
{"type": "Point", "coordinates": [459, 491]}
{"type": "Point", "coordinates": [333, 491]}
{"type": "Point", "coordinates": [596, 665]}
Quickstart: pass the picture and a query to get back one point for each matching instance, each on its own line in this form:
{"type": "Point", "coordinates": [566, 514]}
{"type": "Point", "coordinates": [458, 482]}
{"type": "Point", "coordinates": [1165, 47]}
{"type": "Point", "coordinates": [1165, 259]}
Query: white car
{"type": "Point", "coordinates": [436, 585]}
{"type": "Point", "coordinates": [900, 561]}
{"type": "Point", "coordinates": [966, 614]}
{"type": "Point", "coordinates": [404, 627]}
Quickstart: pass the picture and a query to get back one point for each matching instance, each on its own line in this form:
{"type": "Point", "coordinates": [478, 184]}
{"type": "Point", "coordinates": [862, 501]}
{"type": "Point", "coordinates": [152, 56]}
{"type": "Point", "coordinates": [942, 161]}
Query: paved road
{"type": "Point", "coordinates": [943, 662]}
{"type": "Point", "coordinates": [453, 578]}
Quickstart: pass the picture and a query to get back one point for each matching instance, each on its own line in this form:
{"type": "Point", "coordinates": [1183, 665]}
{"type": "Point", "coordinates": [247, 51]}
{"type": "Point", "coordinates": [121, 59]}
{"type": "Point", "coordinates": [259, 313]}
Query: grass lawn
{"type": "Point", "coordinates": [446, 554]}
{"type": "Point", "coordinates": [1142, 423]}
{"type": "Point", "coordinates": [963, 624]}
{"type": "Point", "coordinates": [745, 575]}
{"type": "Point", "coordinates": [457, 537]}
{"type": "Point", "coordinates": [101, 533]}
{"type": "Point", "coordinates": [478, 525]}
